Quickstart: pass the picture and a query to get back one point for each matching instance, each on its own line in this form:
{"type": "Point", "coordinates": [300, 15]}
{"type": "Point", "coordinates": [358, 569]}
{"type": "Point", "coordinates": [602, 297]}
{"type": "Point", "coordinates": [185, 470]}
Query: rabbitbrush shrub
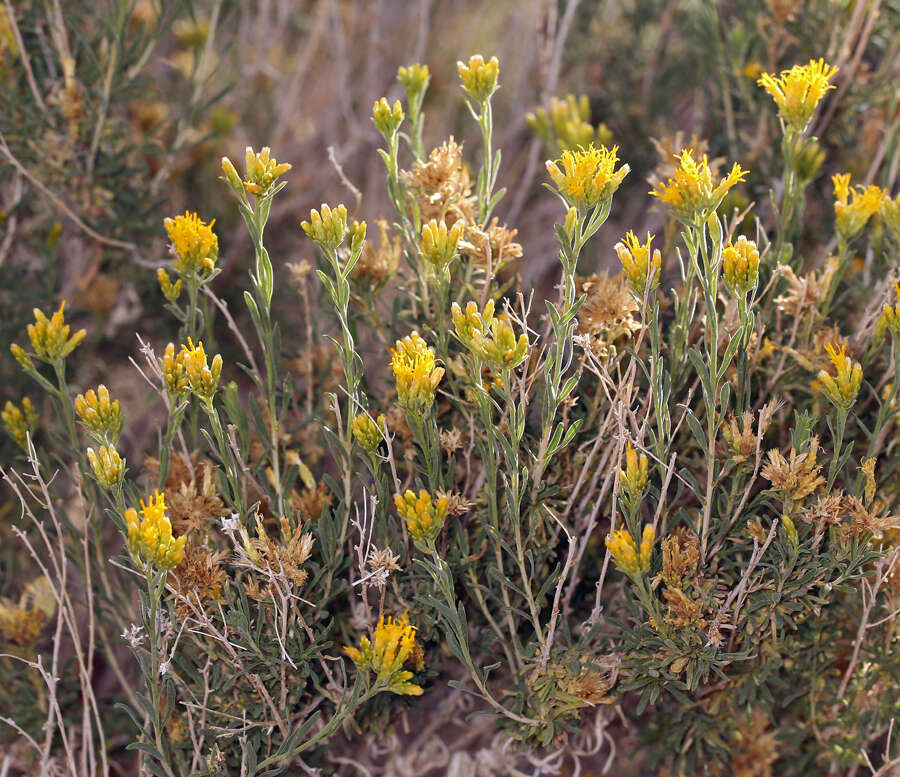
{"type": "Point", "coordinates": [646, 518]}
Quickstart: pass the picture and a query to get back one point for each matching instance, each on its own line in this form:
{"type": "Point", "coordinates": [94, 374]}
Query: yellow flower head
{"type": "Point", "coordinates": [108, 466]}
{"type": "Point", "coordinates": [491, 338]}
{"type": "Point", "coordinates": [195, 245]}
{"type": "Point", "coordinates": [567, 125]}
{"type": "Point", "coordinates": [890, 317]}
{"type": "Point", "coordinates": [98, 414]}
{"type": "Point", "coordinates": [842, 387]}
{"type": "Point", "coordinates": [417, 374]}
{"type": "Point", "coordinates": [642, 268]}
{"type": "Point", "coordinates": [202, 378]}
{"type": "Point", "coordinates": [171, 291]}
{"type": "Point", "coordinates": [387, 117]}
{"type": "Point", "coordinates": [19, 423]}
{"type": "Point", "coordinates": [150, 538]}
{"type": "Point", "coordinates": [424, 517]}
{"type": "Point", "coordinates": [327, 226]}
{"type": "Point", "coordinates": [439, 244]}
{"type": "Point", "coordinates": [797, 91]}
{"type": "Point", "coordinates": [692, 192]}
{"type": "Point", "coordinates": [368, 432]}
{"type": "Point", "coordinates": [854, 206]}
{"type": "Point", "coordinates": [587, 177]}
{"type": "Point", "coordinates": [633, 479]}
{"type": "Point", "coordinates": [740, 266]}
{"type": "Point", "coordinates": [630, 559]}
{"type": "Point", "coordinates": [479, 78]}
{"type": "Point", "coordinates": [174, 375]}
{"type": "Point", "coordinates": [49, 338]}
{"type": "Point", "coordinates": [261, 171]}
{"type": "Point", "coordinates": [394, 645]}
{"type": "Point", "coordinates": [415, 80]}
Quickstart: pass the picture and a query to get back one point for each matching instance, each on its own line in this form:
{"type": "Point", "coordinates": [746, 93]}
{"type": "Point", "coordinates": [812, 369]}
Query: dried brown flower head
{"type": "Point", "coordinates": [381, 564]}
{"type": "Point", "coordinates": [376, 266]}
{"type": "Point", "coordinates": [492, 247]}
{"type": "Point", "coordinates": [680, 554]}
{"type": "Point", "coordinates": [440, 185]}
{"type": "Point", "coordinates": [199, 577]}
{"type": "Point", "coordinates": [796, 477]}
{"type": "Point", "coordinates": [682, 611]}
{"type": "Point", "coordinates": [804, 294]}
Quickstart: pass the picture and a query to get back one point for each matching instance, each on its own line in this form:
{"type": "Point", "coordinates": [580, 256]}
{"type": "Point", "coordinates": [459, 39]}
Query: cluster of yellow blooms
{"type": "Point", "coordinates": [633, 479]}
{"type": "Point", "coordinates": [854, 206]}
{"type": "Point", "coordinates": [99, 414]}
{"type": "Point", "coordinates": [490, 338]}
{"type": "Point", "coordinates": [740, 266]}
{"type": "Point", "coordinates": [174, 374]}
{"type": "Point", "coordinates": [19, 423]}
{"type": "Point", "coordinates": [203, 378]}
{"type": "Point", "coordinates": [368, 432]}
{"type": "Point", "coordinates": [588, 176]}
{"type": "Point", "coordinates": [414, 78]}
{"type": "Point", "coordinates": [567, 125]}
{"type": "Point", "coordinates": [424, 516]}
{"type": "Point", "coordinates": [195, 244]}
{"type": "Point", "coordinates": [692, 192]}
{"type": "Point", "coordinates": [49, 338]}
{"type": "Point", "coordinates": [842, 387]}
{"type": "Point", "coordinates": [328, 227]}
{"type": "Point", "coordinates": [641, 268]}
{"type": "Point", "coordinates": [797, 91]}
{"type": "Point", "coordinates": [890, 317]}
{"type": "Point", "coordinates": [417, 374]}
{"type": "Point", "coordinates": [151, 537]}
{"type": "Point", "coordinates": [439, 244]}
{"type": "Point", "coordinates": [107, 465]}
{"type": "Point", "coordinates": [387, 117]}
{"type": "Point", "coordinates": [394, 644]}
{"type": "Point", "coordinates": [479, 78]}
{"type": "Point", "coordinates": [630, 559]}
{"type": "Point", "coordinates": [260, 172]}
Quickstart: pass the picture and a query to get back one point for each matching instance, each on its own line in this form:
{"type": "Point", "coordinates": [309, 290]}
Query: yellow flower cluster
{"type": "Point", "coordinates": [387, 117]}
{"type": "Point", "coordinates": [842, 387]}
{"type": "Point", "coordinates": [890, 317]}
{"type": "Point", "coordinates": [21, 622]}
{"type": "Point", "coordinates": [368, 432]}
{"type": "Point", "coordinates": [260, 172]}
{"type": "Point", "coordinates": [98, 414]}
{"type": "Point", "coordinates": [19, 423]}
{"type": "Point", "coordinates": [203, 378]}
{"type": "Point", "coordinates": [150, 538]}
{"type": "Point", "coordinates": [853, 207]}
{"type": "Point", "coordinates": [414, 79]}
{"type": "Point", "coordinates": [394, 645]}
{"type": "Point", "coordinates": [195, 245]}
{"type": "Point", "coordinates": [692, 192]}
{"type": "Point", "coordinates": [439, 244]}
{"type": "Point", "coordinates": [633, 479]}
{"type": "Point", "coordinates": [174, 374]}
{"type": "Point", "coordinates": [641, 267]}
{"type": "Point", "coordinates": [740, 265]}
{"type": "Point", "coordinates": [479, 78]}
{"type": "Point", "coordinates": [327, 226]}
{"type": "Point", "coordinates": [588, 176]}
{"type": "Point", "coordinates": [797, 91]}
{"type": "Point", "coordinates": [424, 516]}
{"type": "Point", "coordinates": [49, 338]}
{"type": "Point", "coordinates": [491, 338]}
{"type": "Point", "coordinates": [567, 125]}
{"type": "Point", "coordinates": [630, 559]}
{"type": "Point", "coordinates": [108, 466]}
{"type": "Point", "coordinates": [417, 374]}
